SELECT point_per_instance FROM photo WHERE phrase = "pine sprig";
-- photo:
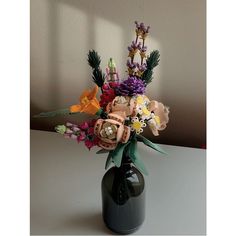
(94, 61)
(152, 61)
(147, 76)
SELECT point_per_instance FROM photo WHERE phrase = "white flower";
(137, 125)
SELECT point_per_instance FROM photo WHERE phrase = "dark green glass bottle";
(123, 198)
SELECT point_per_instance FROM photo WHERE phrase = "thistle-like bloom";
(131, 87)
(88, 102)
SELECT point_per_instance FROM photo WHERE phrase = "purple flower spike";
(142, 67)
(131, 87)
(143, 49)
(131, 65)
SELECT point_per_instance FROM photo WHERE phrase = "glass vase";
(123, 198)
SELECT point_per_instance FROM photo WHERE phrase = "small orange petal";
(84, 94)
(93, 92)
(75, 108)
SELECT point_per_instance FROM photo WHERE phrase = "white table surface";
(66, 189)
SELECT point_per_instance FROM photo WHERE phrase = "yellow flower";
(137, 125)
(88, 102)
(141, 106)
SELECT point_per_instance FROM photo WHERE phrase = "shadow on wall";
(179, 80)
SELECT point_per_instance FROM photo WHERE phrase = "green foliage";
(150, 144)
(147, 76)
(134, 155)
(101, 151)
(130, 149)
(54, 113)
(109, 160)
(94, 61)
(152, 61)
(117, 154)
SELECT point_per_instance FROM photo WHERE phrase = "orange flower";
(88, 102)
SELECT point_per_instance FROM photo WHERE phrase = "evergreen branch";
(98, 77)
(147, 76)
(94, 61)
(152, 61)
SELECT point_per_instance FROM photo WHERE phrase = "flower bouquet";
(122, 112)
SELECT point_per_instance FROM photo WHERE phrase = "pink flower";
(81, 136)
(88, 143)
(108, 93)
(84, 125)
(82, 132)
(90, 131)
(114, 84)
(73, 136)
(105, 86)
(91, 123)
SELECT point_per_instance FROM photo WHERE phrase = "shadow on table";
(90, 223)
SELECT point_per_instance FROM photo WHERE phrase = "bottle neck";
(125, 163)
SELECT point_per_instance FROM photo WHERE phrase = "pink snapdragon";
(83, 132)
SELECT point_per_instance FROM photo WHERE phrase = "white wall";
(62, 32)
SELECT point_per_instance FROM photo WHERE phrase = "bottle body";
(123, 199)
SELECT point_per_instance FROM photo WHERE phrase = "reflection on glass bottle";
(123, 196)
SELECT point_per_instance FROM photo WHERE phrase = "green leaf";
(54, 113)
(109, 160)
(117, 154)
(150, 144)
(134, 155)
(101, 151)
(140, 165)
